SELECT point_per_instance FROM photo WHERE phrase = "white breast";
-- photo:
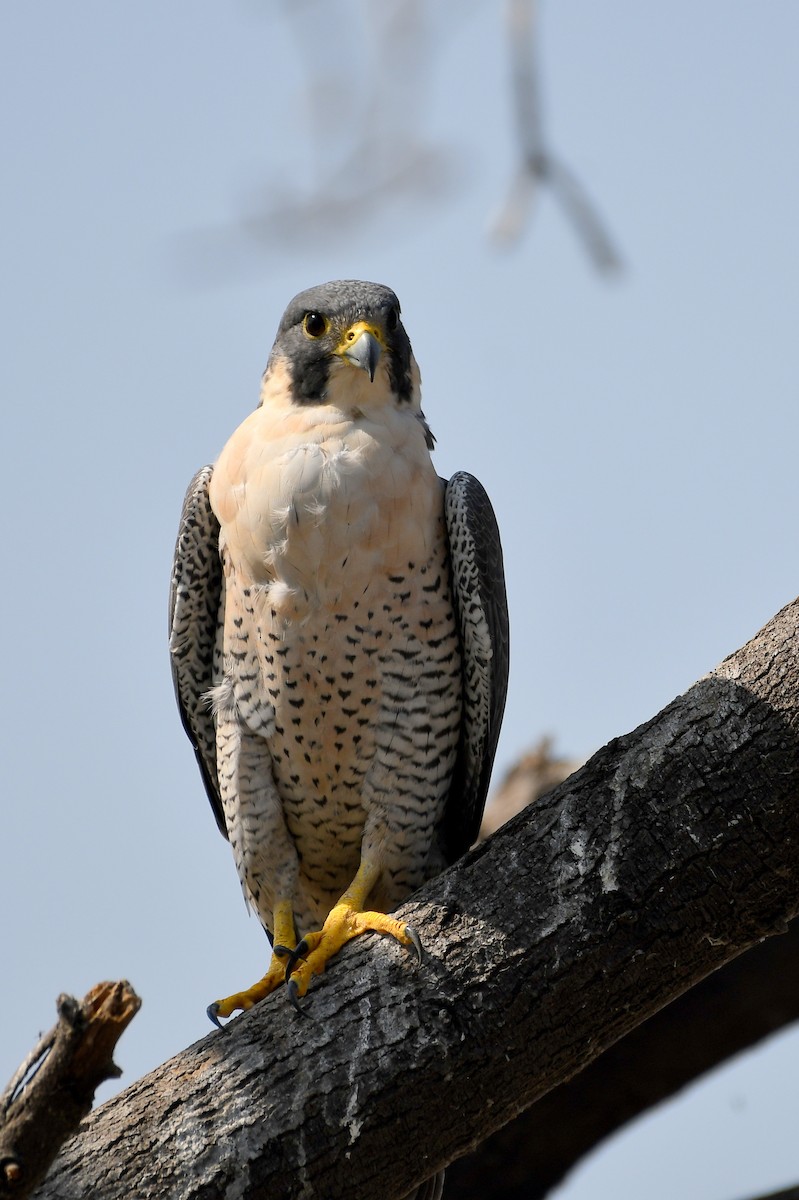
(315, 500)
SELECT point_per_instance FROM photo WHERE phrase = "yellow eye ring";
(315, 325)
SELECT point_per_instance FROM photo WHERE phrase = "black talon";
(299, 951)
(294, 997)
(416, 941)
(213, 1014)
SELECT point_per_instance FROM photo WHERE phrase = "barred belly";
(367, 702)
(341, 652)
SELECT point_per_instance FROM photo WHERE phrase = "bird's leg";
(345, 921)
(282, 949)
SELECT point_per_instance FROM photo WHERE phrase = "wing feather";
(482, 612)
(196, 597)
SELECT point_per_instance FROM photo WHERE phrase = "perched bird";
(338, 638)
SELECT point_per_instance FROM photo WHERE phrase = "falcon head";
(344, 341)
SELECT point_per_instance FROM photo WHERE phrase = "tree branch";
(671, 851)
(730, 1011)
(54, 1087)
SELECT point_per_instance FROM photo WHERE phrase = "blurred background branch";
(367, 151)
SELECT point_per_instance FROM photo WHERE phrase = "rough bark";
(733, 1009)
(671, 851)
(54, 1088)
(530, 778)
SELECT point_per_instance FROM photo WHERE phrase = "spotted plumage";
(338, 636)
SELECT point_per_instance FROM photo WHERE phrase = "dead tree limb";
(54, 1087)
(734, 1008)
(670, 852)
(538, 164)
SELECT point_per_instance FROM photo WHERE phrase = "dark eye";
(315, 324)
(392, 320)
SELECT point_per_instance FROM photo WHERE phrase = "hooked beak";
(362, 348)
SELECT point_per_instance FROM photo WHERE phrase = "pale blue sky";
(637, 436)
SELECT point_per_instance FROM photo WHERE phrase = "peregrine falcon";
(338, 638)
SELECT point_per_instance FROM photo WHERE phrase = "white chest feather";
(341, 655)
(314, 502)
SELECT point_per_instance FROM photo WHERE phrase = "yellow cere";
(355, 331)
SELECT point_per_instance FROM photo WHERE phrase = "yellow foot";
(343, 923)
(272, 980)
